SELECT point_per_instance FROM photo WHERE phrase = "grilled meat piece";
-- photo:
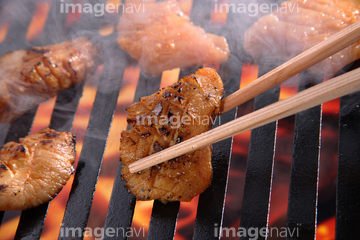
(172, 115)
(299, 25)
(30, 76)
(161, 37)
(34, 170)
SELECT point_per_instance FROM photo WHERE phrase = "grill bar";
(121, 206)
(200, 13)
(210, 212)
(81, 195)
(122, 203)
(348, 181)
(211, 202)
(31, 222)
(259, 171)
(164, 216)
(65, 108)
(303, 187)
(163, 220)
(21, 126)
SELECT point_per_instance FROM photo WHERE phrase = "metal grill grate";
(303, 192)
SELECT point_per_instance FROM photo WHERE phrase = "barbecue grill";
(302, 211)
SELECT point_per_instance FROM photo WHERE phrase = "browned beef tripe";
(170, 116)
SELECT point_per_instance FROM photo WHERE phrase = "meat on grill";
(30, 76)
(173, 114)
(161, 37)
(34, 170)
(300, 24)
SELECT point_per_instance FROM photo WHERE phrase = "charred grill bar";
(259, 171)
(303, 192)
(305, 166)
(348, 191)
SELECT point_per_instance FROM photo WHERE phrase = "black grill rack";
(303, 192)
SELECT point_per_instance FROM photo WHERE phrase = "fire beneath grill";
(187, 212)
(236, 182)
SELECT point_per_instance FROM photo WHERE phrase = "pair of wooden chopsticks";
(323, 92)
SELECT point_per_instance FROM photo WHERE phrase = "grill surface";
(303, 192)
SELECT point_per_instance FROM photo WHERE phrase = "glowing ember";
(326, 230)
(39, 19)
(3, 31)
(187, 214)
(73, 16)
(219, 15)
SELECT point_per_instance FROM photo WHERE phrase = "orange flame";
(38, 21)
(103, 191)
(73, 17)
(4, 27)
(219, 16)
(326, 230)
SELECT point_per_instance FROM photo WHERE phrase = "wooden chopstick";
(323, 92)
(292, 67)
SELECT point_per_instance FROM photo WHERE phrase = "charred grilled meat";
(161, 37)
(299, 25)
(172, 115)
(34, 170)
(30, 76)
